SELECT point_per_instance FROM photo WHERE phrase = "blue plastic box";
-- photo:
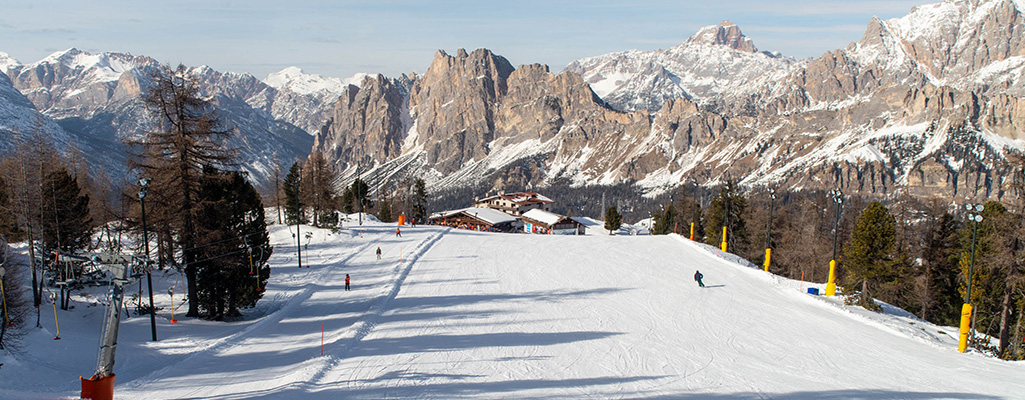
(814, 291)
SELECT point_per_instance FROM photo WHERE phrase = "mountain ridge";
(867, 118)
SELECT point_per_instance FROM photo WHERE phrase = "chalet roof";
(491, 216)
(521, 198)
(545, 217)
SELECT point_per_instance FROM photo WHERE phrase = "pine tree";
(419, 200)
(613, 220)
(12, 323)
(728, 207)
(360, 190)
(34, 158)
(187, 137)
(317, 187)
(869, 256)
(293, 200)
(664, 222)
(235, 246)
(941, 302)
(8, 225)
(689, 211)
(384, 214)
(997, 278)
(276, 177)
(800, 247)
(348, 201)
(67, 225)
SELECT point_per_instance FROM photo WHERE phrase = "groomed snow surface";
(460, 314)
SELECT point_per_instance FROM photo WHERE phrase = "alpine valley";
(930, 104)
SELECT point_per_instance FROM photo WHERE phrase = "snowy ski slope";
(460, 314)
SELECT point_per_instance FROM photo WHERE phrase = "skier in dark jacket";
(378, 253)
(697, 277)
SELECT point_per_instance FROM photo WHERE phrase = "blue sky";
(341, 38)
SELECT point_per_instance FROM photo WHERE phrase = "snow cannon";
(98, 388)
(124, 270)
(402, 220)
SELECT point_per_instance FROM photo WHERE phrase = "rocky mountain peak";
(7, 62)
(725, 34)
(470, 70)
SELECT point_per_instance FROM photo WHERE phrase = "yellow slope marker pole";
(53, 299)
(723, 245)
(966, 322)
(831, 283)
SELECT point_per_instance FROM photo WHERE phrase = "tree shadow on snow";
(408, 385)
(436, 343)
(851, 394)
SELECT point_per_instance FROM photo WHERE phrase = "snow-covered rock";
(716, 62)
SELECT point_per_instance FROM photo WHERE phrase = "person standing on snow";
(697, 277)
(346, 282)
(398, 232)
(379, 253)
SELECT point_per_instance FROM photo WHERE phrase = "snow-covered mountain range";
(716, 62)
(19, 118)
(95, 101)
(930, 102)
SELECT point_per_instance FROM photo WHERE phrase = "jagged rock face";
(725, 34)
(454, 106)
(564, 122)
(366, 124)
(838, 121)
(967, 44)
(96, 98)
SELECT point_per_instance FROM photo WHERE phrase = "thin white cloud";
(841, 8)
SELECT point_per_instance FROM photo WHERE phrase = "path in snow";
(453, 314)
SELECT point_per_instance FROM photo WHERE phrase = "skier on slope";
(346, 282)
(378, 252)
(697, 277)
(398, 232)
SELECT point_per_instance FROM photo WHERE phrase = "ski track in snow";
(458, 314)
(321, 274)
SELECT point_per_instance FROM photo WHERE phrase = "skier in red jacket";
(346, 282)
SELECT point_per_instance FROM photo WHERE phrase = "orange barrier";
(402, 220)
(98, 389)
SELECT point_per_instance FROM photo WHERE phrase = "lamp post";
(837, 196)
(726, 213)
(974, 214)
(143, 188)
(696, 209)
(768, 230)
